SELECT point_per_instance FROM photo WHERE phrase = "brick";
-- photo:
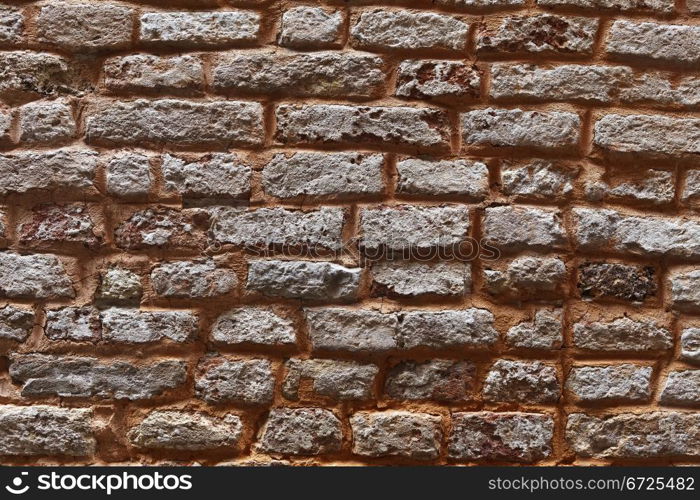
(73, 324)
(151, 73)
(323, 175)
(661, 6)
(661, 89)
(137, 327)
(11, 24)
(682, 388)
(539, 34)
(598, 280)
(652, 42)
(192, 279)
(310, 27)
(160, 227)
(25, 171)
(81, 377)
(175, 122)
(253, 325)
(407, 227)
(690, 345)
(215, 176)
(512, 229)
(691, 189)
(183, 430)
(438, 79)
(46, 430)
(222, 380)
(301, 431)
(351, 330)
(528, 382)
(329, 378)
(479, 4)
(623, 383)
(527, 278)
(634, 435)
(334, 124)
(447, 329)
(321, 74)
(70, 223)
(16, 323)
(651, 187)
(278, 227)
(622, 334)
(520, 437)
(499, 128)
(305, 280)
(545, 331)
(200, 29)
(464, 178)
(396, 433)
(600, 229)
(653, 135)
(85, 27)
(6, 128)
(378, 29)
(26, 75)
(128, 175)
(437, 380)
(34, 277)
(685, 290)
(415, 279)
(46, 122)
(537, 179)
(120, 286)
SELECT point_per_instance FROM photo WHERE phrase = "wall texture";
(448, 231)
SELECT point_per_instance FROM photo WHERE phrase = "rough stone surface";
(310, 27)
(682, 388)
(60, 224)
(45, 122)
(676, 44)
(522, 381)
(253, 325)
(396, 433)
(618, 281)
(516, 228)
(11, 24)
(690, 345)
(199, 29)
(621, 5)
(543, 332)
(181, 430)
(73, 323)
(301, 431)
(160, 226)
(447, 329)
(609, 383)
(336, 329)
(538, 179)
(16, 323)
(134, 326)
(414, 279)
(437, 380)
(245, 382)
(184, 279)
(336, 380)
(150, 73)
(438, 79)
(466, 179)
(128, 175)
(622, 334)
(119, 285)
(526, 278)
(33, 276)
(685, 291)
(26, 75)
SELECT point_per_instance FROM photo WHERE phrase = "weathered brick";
(634, 435)
(543, 332)
(119, 285)
(241, 381)
(521, 437)
(598, 280)
(73, 323)
(664, 6)
(685, 290)
(175, 122)
(46, 430)
(600, 229)
(253, 325)
(653, 135)
(447, 329)
(301, 431)
(134, 326)
(77, 376)
(33, 276)
(438, 380)
(351, 330)
(541, 34)
(163, 227)
(46, 122)
(184, 430)
(467, 179)
(661, 89)
(82, 27)
(192, 279)
(306, 280)
(691, 189)
(690, 345)
(278, 227)
(682, 388)
(514, 228)
(308, 27)
(151, 73)
(335, 124)
(6, 128)
(200, 29)
(323, 175)
(538, 179)
(378, 29)
(16, 323)
(336, 380)
(609, 383)
(479, 4)
(396, 433)
(28, 75)
(527, 278)
(216, 176)
(128, 175)
(528, 382)
(408, 227)
(413, 279)
(622, 334)
(669, 43)
(24, 171)
(60, 224)
(651, 187)
(322, 74)
(438, 79)
(11, 24)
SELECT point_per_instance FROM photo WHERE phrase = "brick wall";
(237, 232)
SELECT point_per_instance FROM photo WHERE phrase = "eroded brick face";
(430, 233)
